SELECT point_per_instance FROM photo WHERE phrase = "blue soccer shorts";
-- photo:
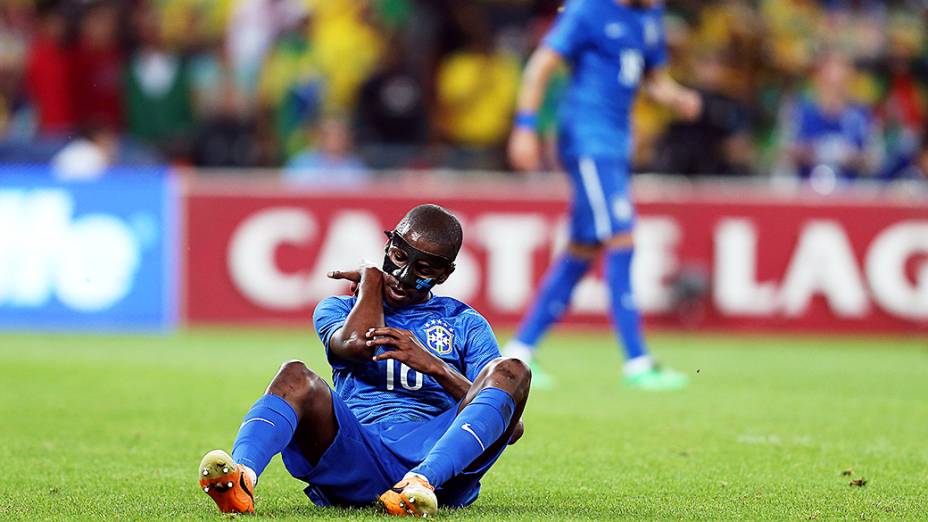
(365, 460)
(601, 206)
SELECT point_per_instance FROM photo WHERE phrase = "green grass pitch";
(114, 427)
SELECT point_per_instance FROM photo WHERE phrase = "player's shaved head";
(432, 229)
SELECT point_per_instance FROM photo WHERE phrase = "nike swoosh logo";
(466, 427)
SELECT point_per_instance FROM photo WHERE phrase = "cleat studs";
(412, 500)
(229, 485)
(205, 472)
(205, 489)
(225, 470)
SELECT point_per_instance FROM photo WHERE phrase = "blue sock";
(476, 428)
(552, 301)
(625, 315)
(266, 430)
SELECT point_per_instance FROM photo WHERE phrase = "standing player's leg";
(484, 425)
(552, 300)
(625, 316)
(295, 395)
(586, 235)
(639, 369)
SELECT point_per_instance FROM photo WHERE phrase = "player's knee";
(515, 371)
(584, 251)
(297, 384)
(621, 241)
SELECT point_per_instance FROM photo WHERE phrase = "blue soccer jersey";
(609, 47)
(389, 390)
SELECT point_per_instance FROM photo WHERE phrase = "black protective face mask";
(406, 274)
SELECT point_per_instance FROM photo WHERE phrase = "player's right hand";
(357, 277)
(524, 150)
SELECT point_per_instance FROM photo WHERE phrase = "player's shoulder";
(458, 311)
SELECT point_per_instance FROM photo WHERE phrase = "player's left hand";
(406, 349)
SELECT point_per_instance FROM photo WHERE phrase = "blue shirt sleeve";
(480, 344)
(329, 316)
(567, 35)
(655, 40)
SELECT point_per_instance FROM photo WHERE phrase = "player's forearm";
(538, 71)
(350, 342)
(453, 382)
(662, 88)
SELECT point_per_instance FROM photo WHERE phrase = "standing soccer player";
(422, 407)
(611, 47)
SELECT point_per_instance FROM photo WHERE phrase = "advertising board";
(703, 260)
(90, 255)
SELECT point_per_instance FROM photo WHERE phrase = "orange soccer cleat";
(227, 483)
(412, 496)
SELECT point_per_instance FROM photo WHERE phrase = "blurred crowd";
(824, 90)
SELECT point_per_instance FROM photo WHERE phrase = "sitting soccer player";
(422, 407)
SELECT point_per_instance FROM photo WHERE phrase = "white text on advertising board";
(88, 263)
(822, 264)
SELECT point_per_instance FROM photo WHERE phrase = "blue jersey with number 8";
(390, 390)
(609, 48)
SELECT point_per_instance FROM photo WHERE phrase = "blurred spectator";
(228, 137)
(291, 87)
(904, 107)
(477, 87)
(793, 26)
(157, 87)
(48, 71)
(210, 79)
(717, 142)
(98, 67)
(832, 135)
(236, 83)
(252, 30)
(855, 26)
(192, 23)
(331, 162)
(14, 44)
(348, 47)
(392, 115)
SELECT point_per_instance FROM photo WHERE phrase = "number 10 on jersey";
(403, 377)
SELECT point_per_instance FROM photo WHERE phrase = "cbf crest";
(439, 336)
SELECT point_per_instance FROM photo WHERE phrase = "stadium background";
(193, 167)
